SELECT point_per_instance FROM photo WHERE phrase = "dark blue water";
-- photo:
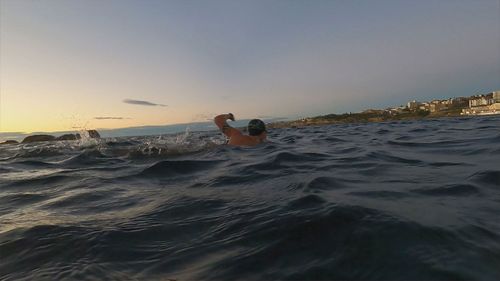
(387, 201)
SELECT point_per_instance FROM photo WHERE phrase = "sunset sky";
(109, 64)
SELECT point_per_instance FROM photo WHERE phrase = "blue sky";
(64, 63)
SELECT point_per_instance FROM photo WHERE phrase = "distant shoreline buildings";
(481, 104)
(484, 105)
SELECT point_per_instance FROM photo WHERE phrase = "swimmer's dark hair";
(256, 127)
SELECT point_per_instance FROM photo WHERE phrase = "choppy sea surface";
(412, 200)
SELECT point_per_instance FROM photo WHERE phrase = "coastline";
(364, 117)
(367, 116)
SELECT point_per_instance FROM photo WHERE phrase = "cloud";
(109, 118)
(142, 102)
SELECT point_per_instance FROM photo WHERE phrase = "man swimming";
(256, 130)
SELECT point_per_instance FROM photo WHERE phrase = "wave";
(327, 183)
(178, 167)
(49, 181)
(384, 194)
(450, 190)
(329, 240)
(307, 201)
(386, 156)
(10, 202)
(491, 177)
(418, 130)
(88, 157)
(426, 144)
(32, 163)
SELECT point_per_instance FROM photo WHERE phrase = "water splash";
(123, 147)
(186, 142)
(86, 141)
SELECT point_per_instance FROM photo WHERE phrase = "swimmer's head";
(256, 127)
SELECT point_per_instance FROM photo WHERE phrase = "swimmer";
(256, 131)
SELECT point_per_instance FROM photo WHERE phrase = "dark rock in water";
(36, 138)
(69, 137)
(9, 142)
(93, 134)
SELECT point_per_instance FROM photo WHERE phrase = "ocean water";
(412, 200)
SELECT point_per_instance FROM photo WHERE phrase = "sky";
(67, 64)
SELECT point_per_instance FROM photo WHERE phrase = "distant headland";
(481, 104)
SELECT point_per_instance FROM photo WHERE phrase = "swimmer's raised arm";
(221, 122)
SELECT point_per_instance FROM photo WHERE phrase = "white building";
(496, 96)
(480, 101)
(412, 105)
(424, 106)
